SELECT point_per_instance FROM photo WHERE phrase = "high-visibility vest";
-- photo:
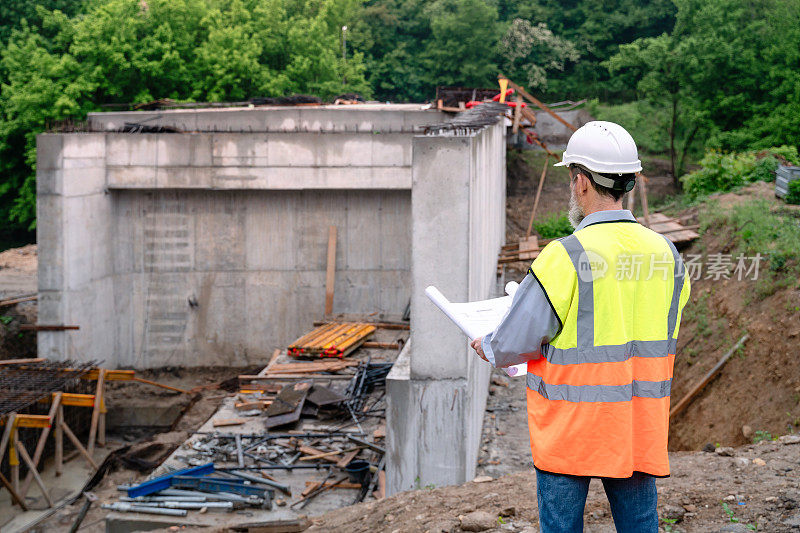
(598, 398)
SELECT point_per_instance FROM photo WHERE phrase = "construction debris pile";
(296, 430)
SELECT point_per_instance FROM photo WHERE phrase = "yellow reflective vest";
(598, 398)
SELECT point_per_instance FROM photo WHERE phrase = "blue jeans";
(562, 499)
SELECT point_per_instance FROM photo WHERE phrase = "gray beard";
(576, 215)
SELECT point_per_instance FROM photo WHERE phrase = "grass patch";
(758, 230)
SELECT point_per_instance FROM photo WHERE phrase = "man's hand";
(477, 345)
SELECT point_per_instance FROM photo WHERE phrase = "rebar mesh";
(24, 384)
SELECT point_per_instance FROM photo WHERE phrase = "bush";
(555, 226)
(793, 194)
(722, 172)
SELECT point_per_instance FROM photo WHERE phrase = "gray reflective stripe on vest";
(580, 261)
(613, 353)
(679, 273)
(586, 351)
(600, 393)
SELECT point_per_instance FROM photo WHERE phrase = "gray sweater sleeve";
(529, 323)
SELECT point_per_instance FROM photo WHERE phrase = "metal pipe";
(223, 496)
(263, 481)
(189, 505)
(124, 507)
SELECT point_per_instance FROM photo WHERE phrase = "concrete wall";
(209, 248)
(437, 389)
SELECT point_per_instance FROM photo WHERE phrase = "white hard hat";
(603, 147)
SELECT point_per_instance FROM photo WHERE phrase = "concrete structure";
(437, 388)
(208, 247)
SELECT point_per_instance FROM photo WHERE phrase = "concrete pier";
(208, 245)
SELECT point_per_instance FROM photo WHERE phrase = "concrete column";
(75, 256)
(437, 389)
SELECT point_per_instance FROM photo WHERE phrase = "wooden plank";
(379, 325)
(381, 345)
(30, 421)
(330, 275)
(222, 422)
(697, 389)
(21, 361)
(18, 300)
(308, 450)
(344, 461)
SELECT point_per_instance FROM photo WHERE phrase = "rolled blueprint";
(476, 319)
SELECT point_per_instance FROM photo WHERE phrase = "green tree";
(460, 51)
(660, 66)
(15, 13)
(123, 51)
(532, 53)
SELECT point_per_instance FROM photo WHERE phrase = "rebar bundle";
(480, 116)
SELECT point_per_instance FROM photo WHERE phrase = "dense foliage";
(726, 171)
(683, 75)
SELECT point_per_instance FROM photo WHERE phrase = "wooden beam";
(538, 195)
(539, 104)
(22, 361)
(643, 196)
(156, 384)
(7, 434)
(14, 495)
(697, 389)
(59, 438)
(77, 443)
(18, 299)
(32, 470)
(98, 398)
(37, 452)
(330, 274)
(517, 114)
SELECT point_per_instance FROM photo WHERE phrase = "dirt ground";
(766, 495)
(758, 390)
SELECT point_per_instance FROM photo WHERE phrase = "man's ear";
(582, 184)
